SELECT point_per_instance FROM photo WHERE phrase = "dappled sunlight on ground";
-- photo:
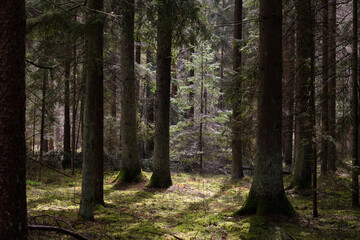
(195, 207)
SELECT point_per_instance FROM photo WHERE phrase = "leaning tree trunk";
(267, 195)
(13, 219)
(236, 144)
(43, 110)
(161, 175)
(130, 169)
(94, 74)
(303, 145)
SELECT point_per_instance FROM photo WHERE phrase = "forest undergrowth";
(195, 207)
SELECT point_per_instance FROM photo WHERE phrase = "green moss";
(265, 205)
(126, 176)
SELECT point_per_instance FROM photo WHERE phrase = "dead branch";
(56, 229)
(52, 168)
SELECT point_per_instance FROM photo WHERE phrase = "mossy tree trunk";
(130, 170)
(267, 195)
(13, 215)
(94, 74)
(161, 175)
(303, 144)
(236, 144)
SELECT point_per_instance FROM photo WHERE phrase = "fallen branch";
(52, 168)
(252, 169)
(56, 229)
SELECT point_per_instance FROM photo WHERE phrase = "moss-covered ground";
(195, 207)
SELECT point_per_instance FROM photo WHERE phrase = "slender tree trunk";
(190, 84)
(161, 175)
(332, 87)
(354, 108)
(13, 215)
(201, 142)
(303, 145)
(74, 112)
(325, 86)
(149, 148)
(130, 170)
(267, 195)
(289, 86)
(94, 78)
(221, 104)
(67, 136)
(313, 121)
(236, 144)
(43, 110)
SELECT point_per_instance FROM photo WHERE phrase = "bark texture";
(130, 170)
(13, 216)
(267, 195)
(94, 74)
(303, 145)
(161, 174)
(289, 85)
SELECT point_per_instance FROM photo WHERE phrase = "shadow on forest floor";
(195, 207)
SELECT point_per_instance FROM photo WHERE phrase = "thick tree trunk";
(354, 108)
(325, 86)
(161, 175)
(332, 87)
(94, 78)
(303, 145)
(130, 170)
(236, 143)
(267, 195)
(13, 219)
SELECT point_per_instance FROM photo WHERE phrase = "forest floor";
(195, 207)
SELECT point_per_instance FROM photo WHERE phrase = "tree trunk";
(130, 170)
(67, 136)
(354, 108)
(236, 144)
(13, 219)
(74, 112)
(94, 75)
(161, 174)
(303, 145)
(325, 87)
(43, 110)
(289, 87)
(149, 148)
(267, 195)
(332, 87)
(190, 84)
